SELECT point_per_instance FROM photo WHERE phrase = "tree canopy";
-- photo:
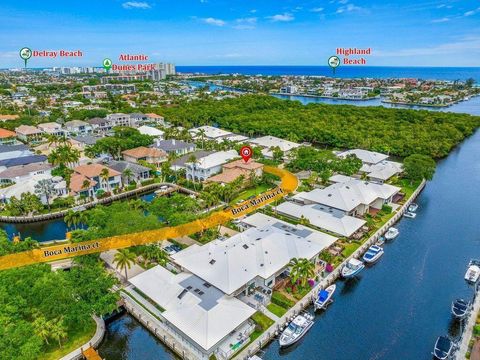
(399, 132)
(419, 167)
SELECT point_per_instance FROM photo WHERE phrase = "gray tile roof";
(185, 158)
(120, 166)
(23, 160)
(171, 145)
(8, 148)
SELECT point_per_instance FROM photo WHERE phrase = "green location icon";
(334, 62)
(107, 64)
(25, 54)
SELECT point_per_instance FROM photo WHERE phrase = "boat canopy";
(323, 295)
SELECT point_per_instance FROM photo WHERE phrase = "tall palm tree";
(58, 331)
(301, 270)
(127, 174)
(201, 133)
(72, 218)
(124, 259)
(41, 328)
(105, 175)
(86, 185)
(193, 160)
(45, 188)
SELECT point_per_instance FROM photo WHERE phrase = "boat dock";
(271, 333)
(468, 329)
(91, 354)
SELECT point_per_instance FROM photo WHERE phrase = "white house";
(213, 133)
(78, 127)
(367, 157)
(209, 165)
(382, 171)
(270, 142)
(198, 314)
(151, 131)
(51, 128)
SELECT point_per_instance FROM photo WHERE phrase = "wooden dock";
(91, 354)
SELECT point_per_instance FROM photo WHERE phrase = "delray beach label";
(71, 249)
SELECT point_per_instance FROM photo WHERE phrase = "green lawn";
(75, 340)
(281, 300)
(276, 309)
(262, 320)
(244, 195)
(350, 249)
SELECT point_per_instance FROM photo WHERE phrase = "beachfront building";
(201, 169)
(233, 170)
(268, 143)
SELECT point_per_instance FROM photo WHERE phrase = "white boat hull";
(291, 341)
(323, 304)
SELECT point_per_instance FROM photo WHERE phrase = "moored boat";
(352, 268)
(473, 272)
(460, 308)
(413, 207)
(443, 348)
(409, 214)
(373, 254)
(296, 329)
(392, 233)
(324, 297)
(380, 241)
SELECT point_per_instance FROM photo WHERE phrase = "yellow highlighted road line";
(56, 252)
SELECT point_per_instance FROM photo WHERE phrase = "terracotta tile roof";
(152, 115)
(229, 175)
(241, 164)
(142, 152)
(76, 183)
(92, 170)
(4, 133)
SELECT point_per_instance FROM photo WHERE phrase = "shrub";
(280, 300)
(387, 209)
(147, 182)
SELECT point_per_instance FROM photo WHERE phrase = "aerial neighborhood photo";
(247, 180)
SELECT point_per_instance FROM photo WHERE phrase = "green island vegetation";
(45, 315)
(401, 132)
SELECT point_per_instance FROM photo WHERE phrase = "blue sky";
(243, 32)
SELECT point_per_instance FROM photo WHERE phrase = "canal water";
(397, 308)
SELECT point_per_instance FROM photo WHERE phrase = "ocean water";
(382, 72)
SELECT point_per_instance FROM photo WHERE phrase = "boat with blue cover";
(373, 254)
(324, 297)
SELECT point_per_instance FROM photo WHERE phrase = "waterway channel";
(397, 308)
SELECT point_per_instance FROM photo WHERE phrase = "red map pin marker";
(246, 153)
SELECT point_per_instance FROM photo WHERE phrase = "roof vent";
(245, 246)
(212, 261)
(329, 195)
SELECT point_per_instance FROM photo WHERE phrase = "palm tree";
(41, 328)
(45, 188)
(72, 218)
(58, 331)
(301, 270)
(124, 259)
(86, 185)
(193, 160)
(201, 133)
(127, 174)
(105, 175)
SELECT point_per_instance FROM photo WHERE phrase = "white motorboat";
(413, 207)
(352, 268)
(460, 308)
(296, 329)
(392, 233)
(373, 254)
(473, 271)
(324, 297)
(443, 348)
(380, 241)
(409, 214)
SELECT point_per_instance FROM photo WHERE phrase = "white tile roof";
(232, 263)
(348, 195)
(149, 130)
(260, 220)
(206, 318)
(383, 170)
(341, 224)
(272, 141)
(368, 157)
(216, 159)
(210, 132)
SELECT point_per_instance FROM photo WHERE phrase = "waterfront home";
(367, 157)
(139, 173)
(179, 163)
(137, 119)
(100, 125)
(28, 186)
(233, 170)
(260, 220)
(29, 133)
(201, 169)
(353, 197)
(268, 143)
(7, 137)
(156, 119)
(150, 155)
(216, 134)
(174, 146)
(257, 257)
(21, 173)
(14, 151)
(51, 128)
(322, 217)
(207, 321)
(151, 131)
(78, 127)
(92, 172)
(382, 171)
(82, 141)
